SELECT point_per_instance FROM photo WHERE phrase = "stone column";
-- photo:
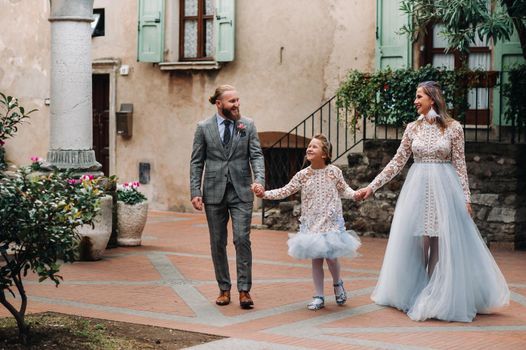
(71, 126)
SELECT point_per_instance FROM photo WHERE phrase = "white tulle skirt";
(466, 279)
(314, 245)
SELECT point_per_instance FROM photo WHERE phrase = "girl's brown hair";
(220, 90)
(326, 148)
(434, 91)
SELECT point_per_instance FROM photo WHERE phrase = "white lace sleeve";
(344, 190)
(458, 158)
(289, 189)
(397, 163)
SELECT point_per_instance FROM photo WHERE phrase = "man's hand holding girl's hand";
(258, 189)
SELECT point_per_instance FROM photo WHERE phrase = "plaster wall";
(24, 72)
(290, 57)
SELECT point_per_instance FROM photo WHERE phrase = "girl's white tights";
(318, 276)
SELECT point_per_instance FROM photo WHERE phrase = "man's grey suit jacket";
(244, 158)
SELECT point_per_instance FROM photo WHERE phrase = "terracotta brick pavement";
(169, 282)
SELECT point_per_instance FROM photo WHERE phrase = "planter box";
(93, 241)
(130, 223)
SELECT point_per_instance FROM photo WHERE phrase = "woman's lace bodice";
(321, 190)
(428, 143)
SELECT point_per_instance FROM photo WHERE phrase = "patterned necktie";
(226, 135)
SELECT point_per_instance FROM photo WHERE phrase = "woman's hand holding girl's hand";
(358, 195)
(368, 192)
(363, 193)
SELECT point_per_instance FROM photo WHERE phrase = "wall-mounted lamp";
(125, 120)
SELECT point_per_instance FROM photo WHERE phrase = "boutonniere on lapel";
(241, 129)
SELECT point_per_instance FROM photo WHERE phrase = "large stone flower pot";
(93, 241)
(130, 223)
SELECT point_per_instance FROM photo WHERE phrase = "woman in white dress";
(436, 264)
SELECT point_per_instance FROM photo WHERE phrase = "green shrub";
(386, 96)
(11, 115)
(38, 220)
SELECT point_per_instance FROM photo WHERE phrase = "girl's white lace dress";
(432, 202)
(322, 231)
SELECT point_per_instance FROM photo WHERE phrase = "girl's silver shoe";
(318, 302)
(341, 297)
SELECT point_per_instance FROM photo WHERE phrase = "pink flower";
(87, 177)
(36, 159)
(241, 127)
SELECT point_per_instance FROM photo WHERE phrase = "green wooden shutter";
(225, 29)
(506, 54)
(392, 49)
(151, 30)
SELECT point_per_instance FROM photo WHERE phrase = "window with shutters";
(196, 30)
(392, 49)
(186, 34)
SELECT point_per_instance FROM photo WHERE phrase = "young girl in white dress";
(436, 264)
(322, 233)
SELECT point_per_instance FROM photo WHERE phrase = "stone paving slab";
(242, 344)
(169, 282)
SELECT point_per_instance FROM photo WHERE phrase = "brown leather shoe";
(223, 298)
(245, 301)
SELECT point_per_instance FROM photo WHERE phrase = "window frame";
(430, 50)
(201, 31)
(474, 116)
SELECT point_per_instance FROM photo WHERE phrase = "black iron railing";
(285, 156)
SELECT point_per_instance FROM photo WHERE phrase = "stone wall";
(497, 178)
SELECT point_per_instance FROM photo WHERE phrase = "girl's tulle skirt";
(307, 245)
(466, 279)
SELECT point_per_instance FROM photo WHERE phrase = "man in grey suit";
(226, 147)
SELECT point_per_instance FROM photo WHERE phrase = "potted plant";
(132, 210)
(94, 238)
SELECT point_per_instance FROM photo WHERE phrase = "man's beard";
(229, 115)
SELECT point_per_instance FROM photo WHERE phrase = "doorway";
(101, 120)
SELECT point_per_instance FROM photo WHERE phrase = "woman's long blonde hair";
(434, 91)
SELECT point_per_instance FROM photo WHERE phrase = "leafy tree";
(465, 20)
(38, 220)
